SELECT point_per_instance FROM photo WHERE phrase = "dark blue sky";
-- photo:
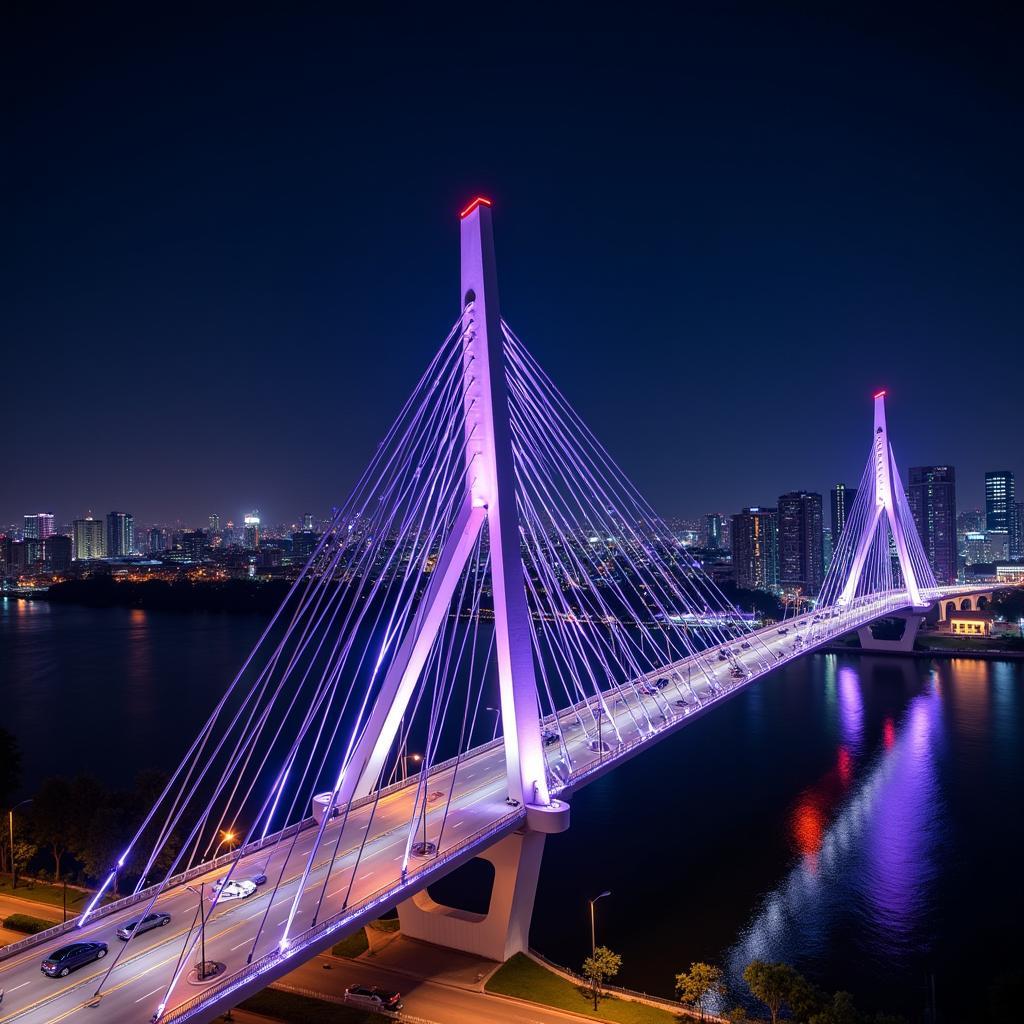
(232, 244)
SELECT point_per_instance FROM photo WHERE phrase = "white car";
(233, 890)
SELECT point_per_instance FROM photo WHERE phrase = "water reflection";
(869, 841)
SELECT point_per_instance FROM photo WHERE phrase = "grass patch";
(352, 945)
(53, 895)
(296, 1009)
(385, 924)
(526, 979)
(25, 923)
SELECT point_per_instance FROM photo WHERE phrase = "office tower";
(801, 550)
(827, 547)
(1019, 553)
(932, 498)
(307, 521)
(88, 539)
(713, 530)
(252, 531)
(57, 552)
(755, 552)
(304, 543)
(1001, 507)
(38, 526)
(843, 498)
(215, 523)
(193, 543)
(156, 540)
(120, 534)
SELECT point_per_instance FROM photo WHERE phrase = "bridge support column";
(904, 644)
(505, 929)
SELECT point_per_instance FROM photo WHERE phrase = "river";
(856, 816)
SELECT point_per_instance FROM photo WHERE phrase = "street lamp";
(10, 822)
(593, 939)
(497, 716)
(228, 837)
(406, 758)
(201, 893)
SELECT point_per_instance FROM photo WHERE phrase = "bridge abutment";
(504, 929)
(902, 645)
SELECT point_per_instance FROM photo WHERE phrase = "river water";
(858, 817)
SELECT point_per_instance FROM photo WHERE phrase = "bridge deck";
(372, 880)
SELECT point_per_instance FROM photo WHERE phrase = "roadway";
(374, 844)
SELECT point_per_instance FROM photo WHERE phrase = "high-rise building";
(215, 523)
(193, 543)
(304, 543)
(307, 521)
(801, 549)
(38, 525)
(88, 539)
(157, 540)
(252, 531)
(843, 498)
(827, 547)
(1001, 507)
(713, 530)
(1019, 553)
(755, 548)
(120, 534)
(57, 552)
(932, 497)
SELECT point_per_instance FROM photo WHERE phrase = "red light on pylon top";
(479, 201)
(880, 394)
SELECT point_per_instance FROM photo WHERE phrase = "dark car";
(136, 927)
(661, 683)
(63, 961)
(373, 998)
(549, 736)
(260, 879)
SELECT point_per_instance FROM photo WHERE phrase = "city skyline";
(256, 275)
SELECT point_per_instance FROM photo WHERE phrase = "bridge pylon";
(880, 530)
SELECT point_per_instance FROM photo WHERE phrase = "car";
(783, 632)
(682, 703)
(155, 920)
(648, 689)
(661, 683)
(236, 889)
(511, 801)
(722, 656)
(549, 736)
(745, 646)
(260, 879)
(738, 673)
(61, 962)
(373, 998)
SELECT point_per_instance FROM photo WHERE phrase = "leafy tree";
(839, 1011)
(737, 1015)
(108, 831)
(804, 999)
(698, 983)
(773, 984)
(25, 848)
(602, 965)
(51, 824)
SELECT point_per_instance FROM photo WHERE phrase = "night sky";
(231, 244)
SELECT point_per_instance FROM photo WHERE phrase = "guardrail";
(378, 898)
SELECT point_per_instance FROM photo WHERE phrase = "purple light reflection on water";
(878, 854)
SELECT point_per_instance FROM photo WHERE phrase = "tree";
(602, 965)
(698, 983)
(773, 984)
(51, 824)
(839, 1011)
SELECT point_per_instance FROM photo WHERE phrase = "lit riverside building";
(1001, 507)
(843, 498)
(801, 547)
(88, 539)
(932, 497)
(38, 526)
(755, 548)
(120, 534)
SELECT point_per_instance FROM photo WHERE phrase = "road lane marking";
(244, 942)
(159, 988)
(22, 985)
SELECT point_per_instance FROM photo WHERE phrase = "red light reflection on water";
(889, 733)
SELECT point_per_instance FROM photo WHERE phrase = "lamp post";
(593, 937)
(10, 822)
(228, 837)
(497, 718)
(65, 881)
(201, 893)
(406, 758)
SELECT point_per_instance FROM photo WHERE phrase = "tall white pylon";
(886, 491)
(490, 499)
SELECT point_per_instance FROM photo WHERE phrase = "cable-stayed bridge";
(494, 618)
